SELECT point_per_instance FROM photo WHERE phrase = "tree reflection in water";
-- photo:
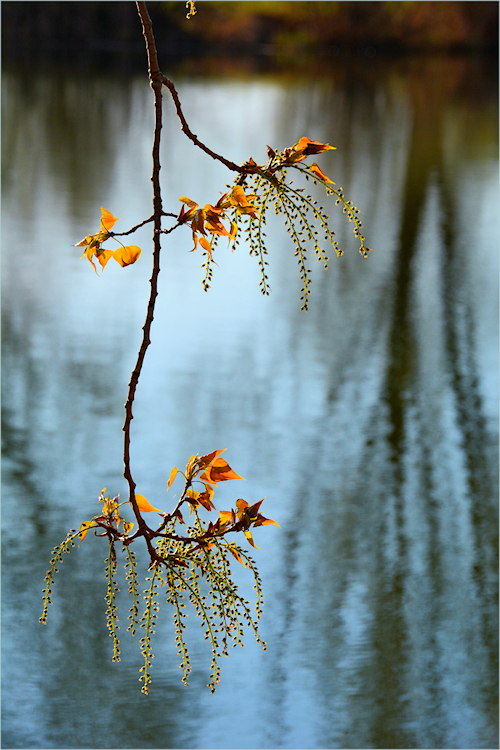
(370, 423)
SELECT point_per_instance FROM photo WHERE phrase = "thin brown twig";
(134, 229)
(185, 129)
(156, 85)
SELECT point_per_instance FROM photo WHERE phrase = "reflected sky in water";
(370, 423)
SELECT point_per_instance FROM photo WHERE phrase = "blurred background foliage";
(289, 29)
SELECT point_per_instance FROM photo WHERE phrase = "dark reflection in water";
(370, 423)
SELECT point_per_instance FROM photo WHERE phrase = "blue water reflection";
(370, 424)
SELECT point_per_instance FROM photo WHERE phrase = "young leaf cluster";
(190, 567)
(269, 187)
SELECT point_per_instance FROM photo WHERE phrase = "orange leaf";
(213, 221)
(249, 537)
(234, 551)
(319, 173)
(90, 252)
(252, 515)
(219, 471)
(143, 504)
(128, 526)
(223, 201)
(104, 255)
(249, 210)
(125, 256)
(107, 220)
(86, 240)
(192, 498)
(241, 505)
(309, 147)
(86, 525)
(209, 457)
(238, 199)
(227, 516)
(233, 232)
(209, 490)
(205, 498)
(188, 201)
(206, 245)
(237, 196)
(266, 522)
(171, 478)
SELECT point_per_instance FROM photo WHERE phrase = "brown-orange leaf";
(251, 514)
(319, 173)
(205, 498)
(192, 497)
(249, 537)
(178, 515)
(309, 147)
(234, 551)
(209, 457)
(219, 471)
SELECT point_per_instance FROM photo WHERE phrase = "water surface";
(370, 423)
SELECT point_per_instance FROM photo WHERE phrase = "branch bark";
(155, 79)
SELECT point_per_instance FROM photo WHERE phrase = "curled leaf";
(125, 256)
(308, 147)
(205, 498)
(319, 173)
(188, 201)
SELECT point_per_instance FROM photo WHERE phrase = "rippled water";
(370, 423)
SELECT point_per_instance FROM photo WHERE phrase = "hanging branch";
(178, 561)
(155, 79)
